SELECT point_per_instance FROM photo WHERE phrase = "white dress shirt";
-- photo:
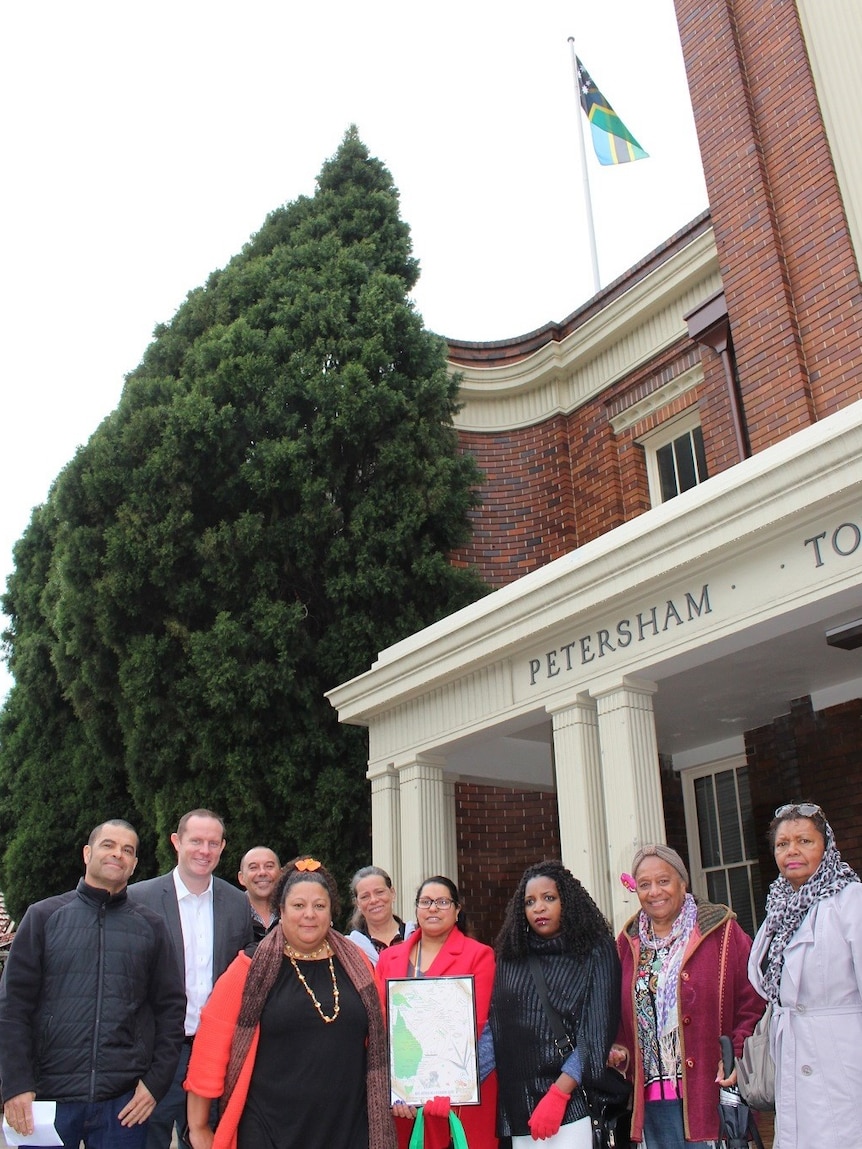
(196, 919)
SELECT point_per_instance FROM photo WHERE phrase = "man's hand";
(139, 1108)
(18, 1111)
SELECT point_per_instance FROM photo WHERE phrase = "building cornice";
(561, 375)
(734, 509)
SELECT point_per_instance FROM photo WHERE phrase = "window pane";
(745, 814)
(685, 472)
(727, 837)
(740, 898)
(716, 883)
(731, 839)
(707, 823)
(666, 472)
(699, 454)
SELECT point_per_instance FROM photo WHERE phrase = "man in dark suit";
(209, 922)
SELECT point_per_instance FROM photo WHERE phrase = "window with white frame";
(675, 457)
(722, 838)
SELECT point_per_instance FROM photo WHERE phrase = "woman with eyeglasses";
(807, 960)
(439, 948)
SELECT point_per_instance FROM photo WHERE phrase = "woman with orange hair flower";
(292, 1040)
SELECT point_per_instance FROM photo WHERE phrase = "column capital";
(629, 684)
(559, 709)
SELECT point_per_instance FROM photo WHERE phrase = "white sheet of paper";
(44, 1133)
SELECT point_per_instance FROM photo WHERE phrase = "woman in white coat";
(807, 960)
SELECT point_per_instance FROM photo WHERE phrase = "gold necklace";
(310, 991)
(290, 952)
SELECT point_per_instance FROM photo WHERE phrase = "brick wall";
(500, 832)
(809, 755)
(527, 516)
(793, 303)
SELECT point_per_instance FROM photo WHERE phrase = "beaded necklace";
(335, 994)
(289, 951)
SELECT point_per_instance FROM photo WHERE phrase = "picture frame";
(433, 1050)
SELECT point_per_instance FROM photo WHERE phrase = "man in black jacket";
(91, 1005)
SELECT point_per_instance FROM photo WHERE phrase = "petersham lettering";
(645, 625)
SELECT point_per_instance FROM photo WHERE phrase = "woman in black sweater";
(552, 919)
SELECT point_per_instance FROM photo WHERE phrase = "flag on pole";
(612, 140)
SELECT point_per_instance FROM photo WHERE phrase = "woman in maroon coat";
(438, 948)
(685, 982)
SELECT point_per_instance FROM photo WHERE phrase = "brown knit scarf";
(262, 973)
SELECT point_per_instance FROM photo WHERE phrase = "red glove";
(438, 1107)
(548, 1115)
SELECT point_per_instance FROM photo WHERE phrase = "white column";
(427, 824)
(386, 821)
(580, 800)
(634, 812)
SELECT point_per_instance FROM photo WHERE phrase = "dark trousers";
(171, 1110)
(663, 1127)
(95, 1124)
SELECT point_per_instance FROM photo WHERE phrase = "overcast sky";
(143, 143)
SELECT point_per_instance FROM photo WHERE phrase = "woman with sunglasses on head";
(439, 948)
(807, 960)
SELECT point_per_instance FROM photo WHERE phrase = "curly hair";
(582, 922)
(290, 875)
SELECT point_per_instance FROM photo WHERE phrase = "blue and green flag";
(612, 140)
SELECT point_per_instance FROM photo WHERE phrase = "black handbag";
(607, 1097)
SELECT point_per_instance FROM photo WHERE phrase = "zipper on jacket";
(100, 976)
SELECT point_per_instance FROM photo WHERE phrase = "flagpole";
(588, 202)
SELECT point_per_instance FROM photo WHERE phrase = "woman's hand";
(402, 1109)
(547, 1117)
(438, 1107)
(200, 1137)
(618, 1057)
(721, 1080)
(198, 1132)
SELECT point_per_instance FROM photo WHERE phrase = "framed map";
(432, 1039)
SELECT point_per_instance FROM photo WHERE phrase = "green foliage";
(271, 503)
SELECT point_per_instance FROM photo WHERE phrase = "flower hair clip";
(307, 864)
(629, 882)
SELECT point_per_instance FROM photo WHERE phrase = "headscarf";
(786, 908)
(666, 854)
(262, 973)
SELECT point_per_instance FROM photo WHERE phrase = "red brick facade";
(500, 832)
(794, 303)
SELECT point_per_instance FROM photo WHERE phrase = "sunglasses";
(806, 809)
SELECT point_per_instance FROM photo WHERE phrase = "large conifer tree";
(271, 503)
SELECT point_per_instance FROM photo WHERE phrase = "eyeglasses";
(806, 809)
(440, 903)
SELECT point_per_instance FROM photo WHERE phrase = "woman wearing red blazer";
(438, 948)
